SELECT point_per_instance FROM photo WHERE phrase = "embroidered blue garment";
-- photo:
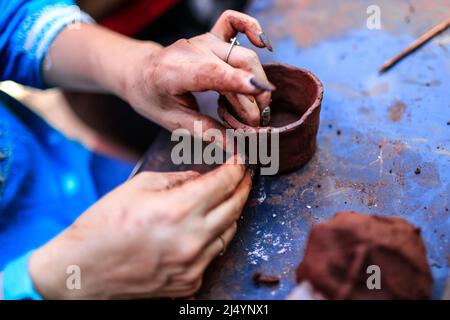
(46, 180)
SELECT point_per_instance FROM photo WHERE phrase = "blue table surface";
(389, 125)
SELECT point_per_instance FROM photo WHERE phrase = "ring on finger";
(234, 42)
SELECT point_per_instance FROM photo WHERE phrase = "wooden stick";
(416, 44)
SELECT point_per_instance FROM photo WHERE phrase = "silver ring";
(234, 42)
(224, 246)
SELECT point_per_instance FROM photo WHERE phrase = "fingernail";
(251, 99)
(261, 86)
(265, 40)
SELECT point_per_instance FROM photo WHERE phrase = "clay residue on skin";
(396, 111)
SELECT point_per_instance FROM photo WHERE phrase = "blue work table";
(376, 130)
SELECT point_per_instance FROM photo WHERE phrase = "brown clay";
(260, 278)
(340, 250)
(295, 113)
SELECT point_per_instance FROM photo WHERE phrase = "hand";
(160, 83)
(151, 237)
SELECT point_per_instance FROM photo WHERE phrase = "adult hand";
(151, 237)
(160, 83)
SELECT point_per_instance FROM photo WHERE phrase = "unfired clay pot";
(295, 109)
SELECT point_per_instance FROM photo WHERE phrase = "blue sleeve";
(16, 281)
(27, 29)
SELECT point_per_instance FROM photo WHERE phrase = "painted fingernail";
(265, 40)
(265, 116)
(262, 86)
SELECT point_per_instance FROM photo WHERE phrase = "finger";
(173, 179)
(231, 22)
(186, 280)
(181, 291)
(245, 108)
(201, 70)
(186, 121)
(209, 190)
(264, 99)
(156, 181)
(230, 210)
(245, 59)
(217, 246)
(195, 124)
(219, 76)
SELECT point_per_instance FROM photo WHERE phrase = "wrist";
(99, 58)
(48, 269)
(42, 275)
(137, 63)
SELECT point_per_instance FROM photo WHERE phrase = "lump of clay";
(340, 251)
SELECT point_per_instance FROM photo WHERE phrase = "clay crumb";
(396, 111)
(331, 126)
(338, 132)
(260, 278)
(448, 123)
(417, 171)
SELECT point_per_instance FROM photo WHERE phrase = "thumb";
(245, 107)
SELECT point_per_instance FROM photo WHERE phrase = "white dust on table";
(266, 245)
(261, 194)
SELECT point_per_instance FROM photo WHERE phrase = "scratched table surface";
(376, 130)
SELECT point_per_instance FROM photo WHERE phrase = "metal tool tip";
(265, 116)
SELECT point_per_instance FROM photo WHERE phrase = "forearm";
(93, 58)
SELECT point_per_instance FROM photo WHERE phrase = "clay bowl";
(295, 112)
